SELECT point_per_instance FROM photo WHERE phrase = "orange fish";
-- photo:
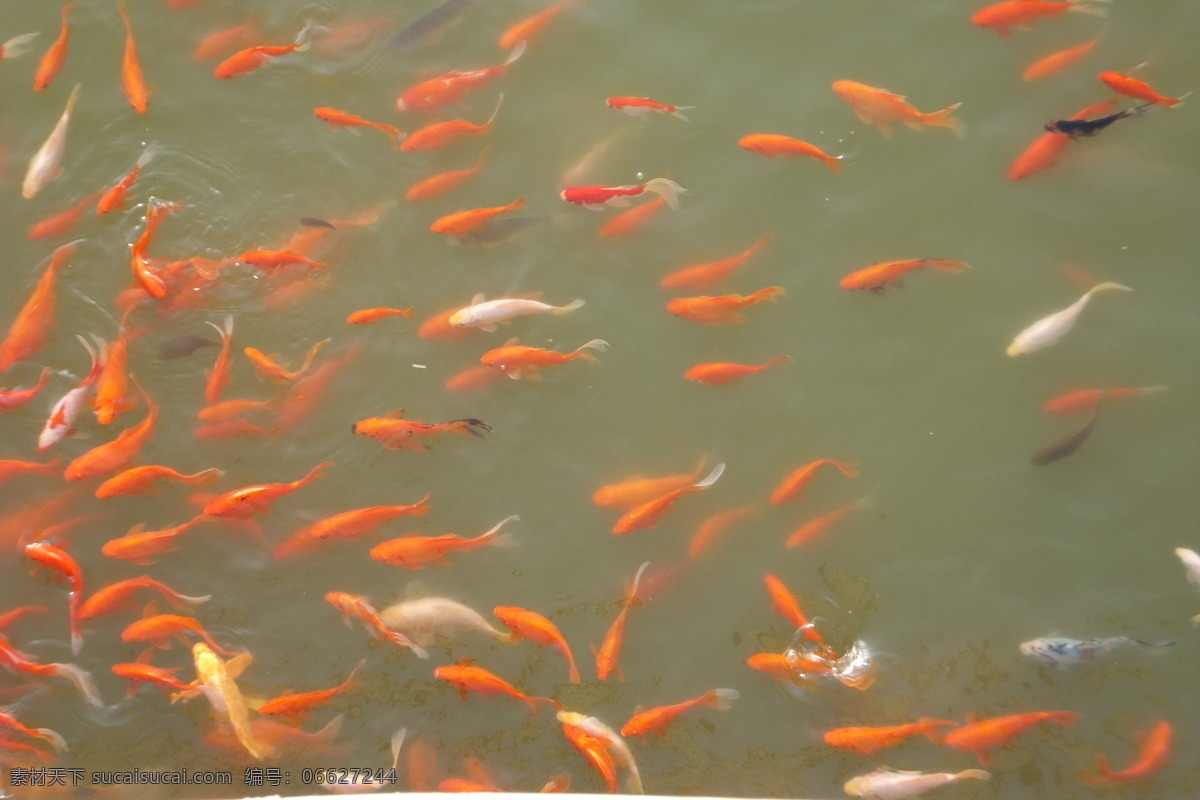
(634, 219)
(352, 524)
(880, 108)
(230, 409)
(794, 482)
(811, 530)
(640, 106)
(773, 144)
(1085, 400)
(452, 86)
(1156, 750)
(654, 720)
(368, 316)
(52, 62)
(60, 223)
(1058, 61)
(342, 119)
(28, 331)
(114, 198)
(132, 81)
(1044, 151)
(140, 264)
(781, 667)
(462, 223)
(713, 527)
(517, 360)
(269, 259)
(118, 596)
(438, 185)
(708, 275)
(440, 134)
(111, 456)
(530, 27)
(592, 748)
(269, 368)
(979, 736)
(647, 515)
(720, 310)
(137, 673)
(354, 606)
(231, 429)
(112, 387)
(11, 399)
(526, 624)
(227, 40)
(610, 649)
(139, 545)
(160, 629)
(218, 377)
(785, 604)
(250, 500)
(145, 480)
(878, 277)
(11, 468)
(1004, 16)
(295, 708)
(252, 58)
(59, 560)
(466, 678)
(867, 740)
(414, 552)
(306, 394)
(719, 373)
(636, 491)
(396, 433)
(66, 409)
(473, 378)
(1138, 90)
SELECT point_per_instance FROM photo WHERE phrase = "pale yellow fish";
(486, 315)
(1048, 330)
(227, 701)
(890, 784)
(46, 164)
(423, 618)
(1191, 562)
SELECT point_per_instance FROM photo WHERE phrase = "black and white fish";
(1061, 652)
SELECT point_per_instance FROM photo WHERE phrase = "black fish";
(499, 230)
(1077, 128)
(181, 346)
(317, 222)
(1064, 446)
(429, 24)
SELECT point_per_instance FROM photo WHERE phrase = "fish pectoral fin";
(491, 327)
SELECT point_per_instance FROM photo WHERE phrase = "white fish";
(1062, 652)
(599, 728)
(486, 315)
(17, 46)
(46, 164)
(64, 412)
(890, 784)
(1048, 330)
(426, 617)
(1191, 562)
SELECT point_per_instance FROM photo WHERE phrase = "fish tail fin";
(1089, 7)
(470, 425)
(1066, 717)
(977, 774)
(599, 345)
(1107, 285)
(665, 188)
(770, 362)
(834, 162)
(767, 293)
(712, 478)
(516, 53)
(722, 699)
(515, 204)
(301, 42)
(206, 476)
(82, 680)
(571, 306)
(499, 102)
(849, 469)
(17, 46)
(947, 265)
(944, 120)
(495, 537)
(1148, 646)
(678, 112)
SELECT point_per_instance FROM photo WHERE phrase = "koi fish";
(145, 480)
(594, 752)
(642, 106)
(427, 617)
(228, 40)
(396, 433)
(867, 740)
(610, 648)
(467, 678)
(252, 58)
(295, 708)
(354, 606)
(713, 527)
(66, 409)
(114, 198)
(722, 309)
(59, 560)
(811, 530)
(1050, 329)
(1067, 444)
(46, 164)
(17, 46)
(269, 259)
(226, 698)
(119, 596)
(148, 279)
(880, 108)
(654, 720)
(161, 628)
(647, 514)
(132, 80)
(1084, 400)
(111, 456)
(12, 399)
(612, 741)
(414, 552)
(112, 387)
(517, 360)
(785, 605)
(269, 368)
(1076, 129)
(1155, 752)
(452, 86)
(635, 491)
(218, 377)
(11, 468)
(773, 144)
(1062, 653)
(352, 524)
(250, 500)
(54, 58)
(531, 27)
(793, 483)
(369, 316)
(462, 223)
(878, 277)
(1043, 153)
(440, 134)
(138, 673)
(893, 784)
(632, 220)
(59, 223)
(719, 373)
(1004, 16)
(488, 314)
(526, 624)
(438, 185)
(982, 735)
(430, 24)
(597, 197)
(139, 545)
(343, 119)
(1058, 61)
(707, 275)
(1138, 90)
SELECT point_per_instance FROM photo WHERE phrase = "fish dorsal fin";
(151, 609)
(972, 719)
(512, 342)
(396, 414)
(477, 299)
(466, 661)
(146, 656)
(415, 590)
